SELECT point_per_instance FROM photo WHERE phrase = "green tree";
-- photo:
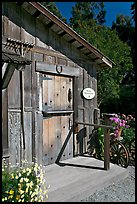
(53, 8)
(126, 31)
(125, 28)
(133, 11)
(108, 42)
(87, 11)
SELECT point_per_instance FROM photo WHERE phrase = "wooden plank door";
(57, 118)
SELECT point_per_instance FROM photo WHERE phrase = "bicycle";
(119, 154)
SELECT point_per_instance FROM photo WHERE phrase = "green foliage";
(127, 98)
(119, 52)
(88, 12)
(53, 8)
(128, 135)
(99, 150)
(115, 46)
(125, 29)
(23, 184)
(133, 10)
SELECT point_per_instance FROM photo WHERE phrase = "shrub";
(23, 183)
(126, 123)
(99, 152)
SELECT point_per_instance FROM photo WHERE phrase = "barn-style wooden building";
(49, 81)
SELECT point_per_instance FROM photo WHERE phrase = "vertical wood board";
(38, 136)
(28, 135)
(14, 132)
(14, 91)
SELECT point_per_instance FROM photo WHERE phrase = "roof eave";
(100, 56)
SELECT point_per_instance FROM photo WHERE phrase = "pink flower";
(118, 124)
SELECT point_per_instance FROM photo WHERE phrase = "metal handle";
(69, 95)
(70, 123)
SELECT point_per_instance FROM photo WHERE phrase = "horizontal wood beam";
(56, 69)
(95, 125)
(106, 142)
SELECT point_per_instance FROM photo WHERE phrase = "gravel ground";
(121, 191)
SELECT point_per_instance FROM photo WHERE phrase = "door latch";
(69, 95)
(70, 123)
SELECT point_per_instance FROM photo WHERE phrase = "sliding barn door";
(57, 118)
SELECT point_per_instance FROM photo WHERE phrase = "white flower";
(21, 180)
(19, 174)
(33, 194)
(22, 196)
(21, 192)
(24, 170)
(36, 199)
(27, 189)
(26, 180)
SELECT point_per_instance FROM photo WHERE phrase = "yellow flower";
(21, 180)
(28, 169)
(17, 197)
(26, 179)
(29, 184)
(16, 177)
(11, 196)
(11, 192)
(22, 196)
(36, 199)
(27, 190)
(12, 176)
(36, 191)
(41, 197)
(3, 199)
(33, 194)
(24, 170)
(28, 173)
(21, 191)
(36, 165)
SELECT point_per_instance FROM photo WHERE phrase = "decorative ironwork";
(59, 69)
(18, 46)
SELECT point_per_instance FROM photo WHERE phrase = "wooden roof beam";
(50, 24)
(62, 33)
(36, 14)
(72, 40)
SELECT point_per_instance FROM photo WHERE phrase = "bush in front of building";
(25, 183)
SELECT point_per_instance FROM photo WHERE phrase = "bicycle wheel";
(119, 154)
(132, 148)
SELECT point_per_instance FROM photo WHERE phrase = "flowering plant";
(119, 124)
(23, 184)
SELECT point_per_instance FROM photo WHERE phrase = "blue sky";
(112, 10)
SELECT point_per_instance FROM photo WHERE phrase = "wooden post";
(106, 145)
(106, 149)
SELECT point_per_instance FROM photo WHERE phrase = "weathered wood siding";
(52, 49)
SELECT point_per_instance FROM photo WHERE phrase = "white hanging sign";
(88, 93)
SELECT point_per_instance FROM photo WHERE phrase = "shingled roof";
(52, 21)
